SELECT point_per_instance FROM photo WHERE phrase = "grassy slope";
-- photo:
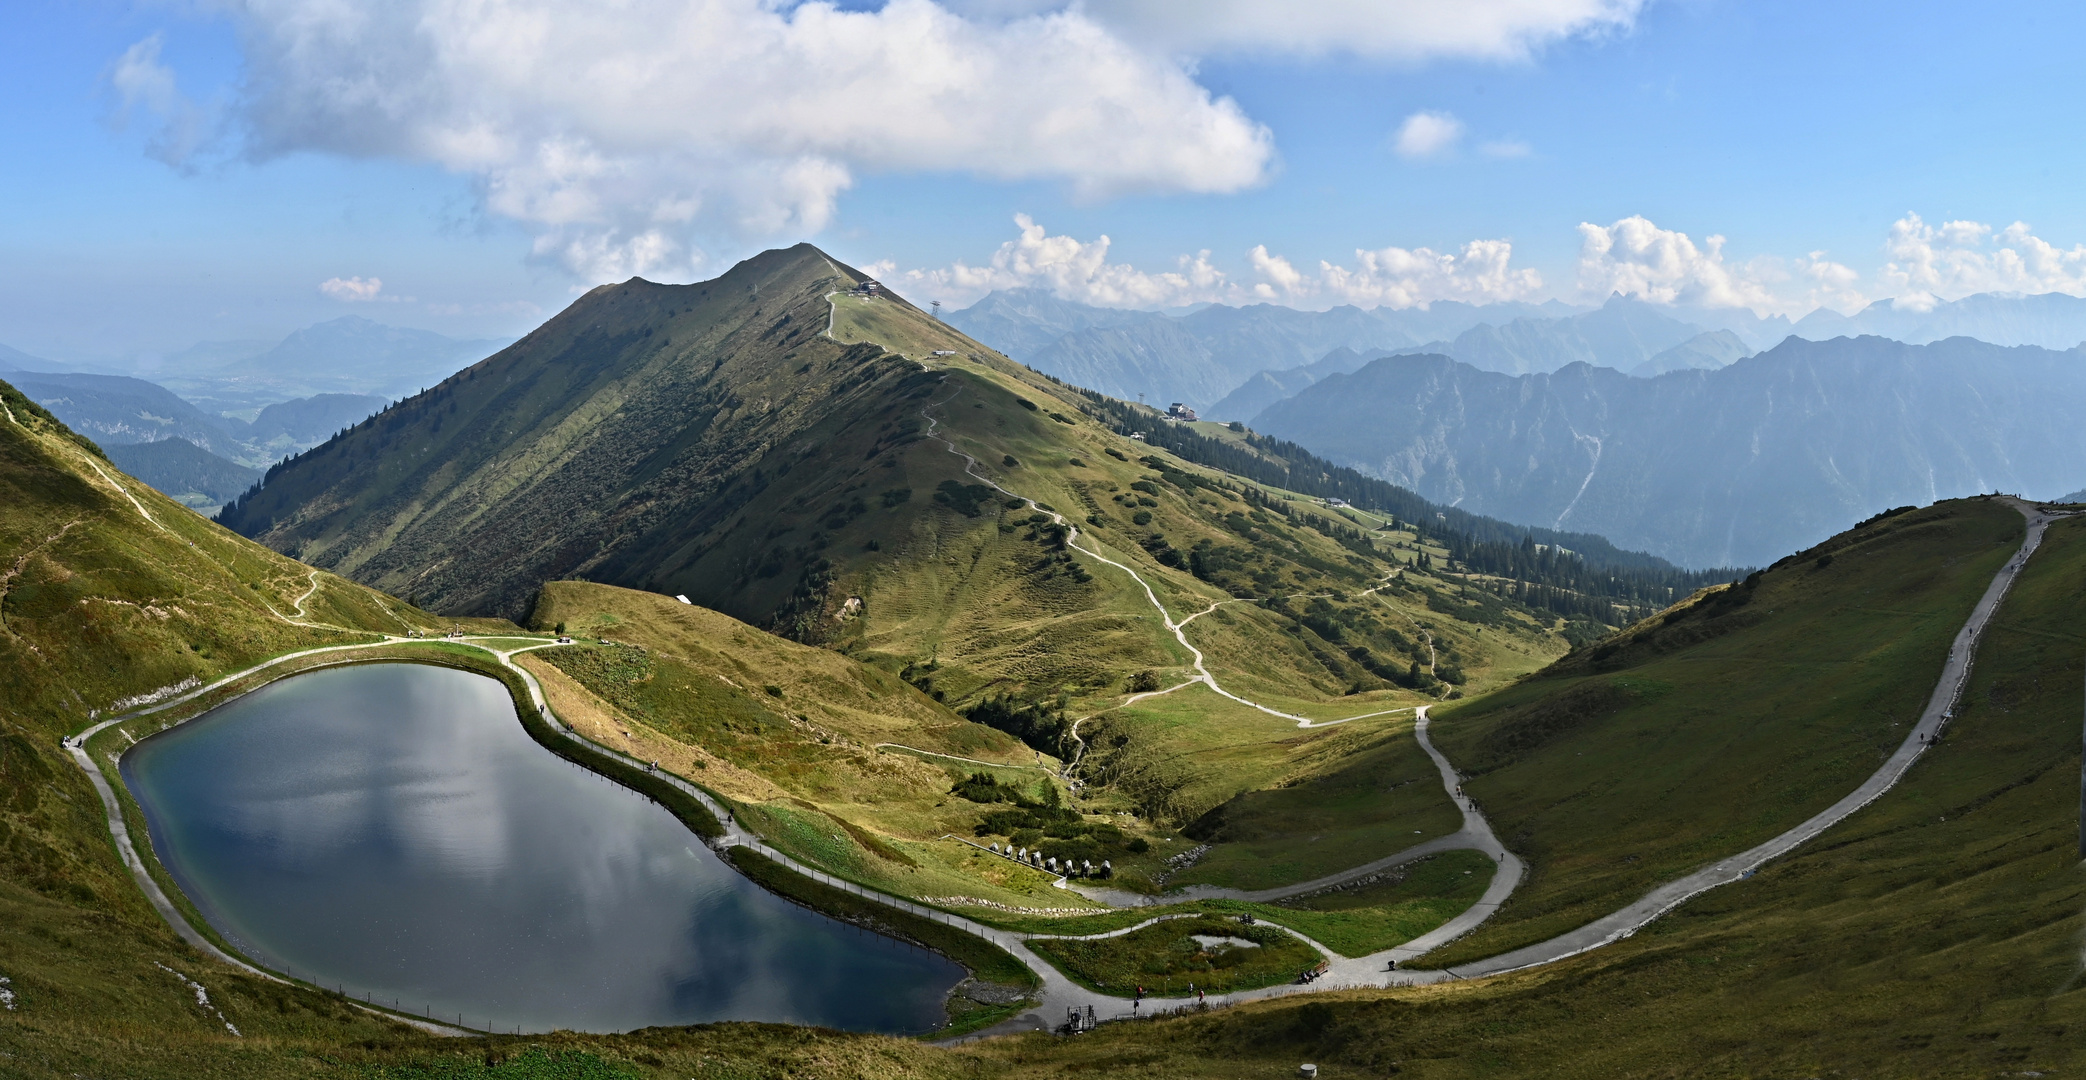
(1165, 958)
(1934, 934)
(98, 604)
(1415, 899)
(1640, 760)
(804, 767)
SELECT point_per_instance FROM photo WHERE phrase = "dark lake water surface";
(391, 828)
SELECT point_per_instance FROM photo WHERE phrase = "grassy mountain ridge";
(623, 428)
(715, 441)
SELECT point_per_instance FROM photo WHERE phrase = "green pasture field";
(1933, 934)
(1165, 958)
(1372, 918)
(1416, 898)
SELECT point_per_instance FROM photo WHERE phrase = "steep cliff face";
(1730, 467)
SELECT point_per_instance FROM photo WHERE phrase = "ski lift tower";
(936, 305)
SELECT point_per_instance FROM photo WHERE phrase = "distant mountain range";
(348, 355)
(1734, 466)
(118, 409)
(1264, 353)
(2051, 320)
(1627, 335)
(12, 359)
(114, 409)
(1200, 357)
(299, 392)
(186, 453)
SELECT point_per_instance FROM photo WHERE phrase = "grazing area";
(1371, 793)
(1389, 908)
(1211, 952)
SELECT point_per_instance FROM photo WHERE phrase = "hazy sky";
(214, 169)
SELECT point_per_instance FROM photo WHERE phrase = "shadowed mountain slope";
(607, 443)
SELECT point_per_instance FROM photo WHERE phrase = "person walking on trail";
(1198, 997)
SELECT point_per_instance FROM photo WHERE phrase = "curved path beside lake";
(126, 849)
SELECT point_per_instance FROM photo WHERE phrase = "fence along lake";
(390, 829)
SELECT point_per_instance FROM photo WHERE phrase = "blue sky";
(182, 172)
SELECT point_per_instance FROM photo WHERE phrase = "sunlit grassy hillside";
(1933, 934)
(1707, 731)
(841, 764)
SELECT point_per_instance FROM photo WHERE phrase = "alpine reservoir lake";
(390, 829)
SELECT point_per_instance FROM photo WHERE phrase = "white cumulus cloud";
(1400, 278)
(1928, 264)
(1827, 284)
(1074, 269)
(1637, 258)
(354, 289)
(624, 131)
(1407, 30)
(1428, 134)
